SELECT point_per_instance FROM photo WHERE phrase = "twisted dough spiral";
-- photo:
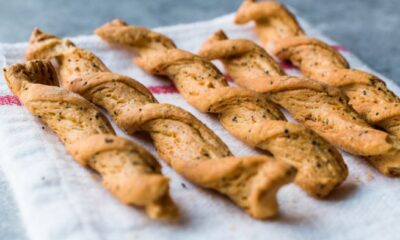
(128, 171)
(366, 93)
(273, 21)
(307, 100)
(184, 142)
(248, 116)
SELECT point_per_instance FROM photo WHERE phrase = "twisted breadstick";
(366, 93)
(128, 171)
(248, 116)
(252, 67)
(184, 142)
(273, 21)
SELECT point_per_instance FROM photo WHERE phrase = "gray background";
(369, 28)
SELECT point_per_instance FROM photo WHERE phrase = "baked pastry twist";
(307, 100)
(248, 116)
(273, 21)
(366, 93)
(129, 172)
(186, 144)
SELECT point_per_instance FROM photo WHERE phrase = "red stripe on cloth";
(163, 89)
(9, 100)
(340, 48)
(228, 77)
(287, 65)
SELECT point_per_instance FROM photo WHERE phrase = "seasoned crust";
(185, 143)
(273, 21)
(366, 93)
(120, 32)
(247, 115)
(129, 172)
(239, 56)
(318, 108)
(317, 55)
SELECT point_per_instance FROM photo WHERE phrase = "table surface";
(368, 27)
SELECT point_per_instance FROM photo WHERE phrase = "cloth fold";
(61, 200)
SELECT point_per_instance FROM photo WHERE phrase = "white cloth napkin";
(61, 200)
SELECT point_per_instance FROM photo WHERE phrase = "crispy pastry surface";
(185, 143)
(129, 172)
(365, 93)
(247, 115)
(273, 21)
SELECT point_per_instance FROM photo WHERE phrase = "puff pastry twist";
(129, 172)
(366, 93)
(186, 144)
(247, 115)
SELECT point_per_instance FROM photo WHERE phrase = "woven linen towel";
(60, 200)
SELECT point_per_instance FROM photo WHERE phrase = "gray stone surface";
(368, 27)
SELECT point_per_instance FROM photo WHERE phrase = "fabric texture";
(61, 200)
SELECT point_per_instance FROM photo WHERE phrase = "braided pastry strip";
(251, 66)
(273, 21)
(129, 172)
(186, 144)
(366, 93)
(248, 116)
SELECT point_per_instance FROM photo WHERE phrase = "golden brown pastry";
(185, 143)
(248, 116)
(129, 172)
(273, 21)
(366, 93)
(307, 100)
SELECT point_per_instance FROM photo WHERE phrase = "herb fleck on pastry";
(129, 172)
(185, 143)
(364, 92)
(249, 116)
